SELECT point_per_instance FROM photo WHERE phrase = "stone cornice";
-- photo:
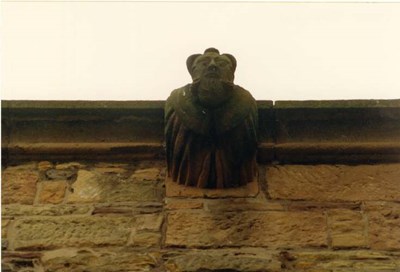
(342, 131)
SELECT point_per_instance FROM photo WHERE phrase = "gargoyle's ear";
(189, 62)
(232, 59)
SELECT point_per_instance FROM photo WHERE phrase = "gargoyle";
(211, 126)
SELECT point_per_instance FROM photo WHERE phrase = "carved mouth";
(212, 74)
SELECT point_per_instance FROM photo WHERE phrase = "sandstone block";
(55, 174)
(111, 170)
(144, 239)
(20, 261)
(317, 205)
(347, 228)
(8, 266)
(150, 174)
(146, 231)
(23, 166)
(94, 187)
(128, 208)
(45, 165)
(86, 188)
(111, 165)
(149, 222)
(177, 204)
(174, 189)
(349, 260)
(334, 182)
(4, 244)
(4, 224)
(70, 165)
(98, 260)
(18, 186)
(52, 192)
(243, 204)
(14, 210)
(272, 229)
(55, 232)
(384, 225)
(243, 259)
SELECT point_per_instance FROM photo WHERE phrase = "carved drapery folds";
(211, 126)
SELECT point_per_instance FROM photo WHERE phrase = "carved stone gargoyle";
(211, 126)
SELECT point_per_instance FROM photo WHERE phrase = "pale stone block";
(334, 182)
(52, 192)
(55, 232)
(273, 229)
(99, 260)
(241, 259)
(19, 186)
(174, 189)
(347, 229)
(384, 225)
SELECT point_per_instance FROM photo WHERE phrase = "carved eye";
(203, 62)
(222, 63)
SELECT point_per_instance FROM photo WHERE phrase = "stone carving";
(211, 126)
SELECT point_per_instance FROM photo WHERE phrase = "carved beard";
(212, 92)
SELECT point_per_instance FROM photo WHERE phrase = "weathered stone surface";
(94, 187)
(14, 210)
(20, 261)
(317, 205)
(244, 204)
(23, 166)
(52, 192)
(45, 165)
(347, 228)
(4, 225)
(4, 230)
(111, 170)
(70, 165)
(4, 244)
(177, 204)
(150, 174)
(19, 186)
(55, 174)
(144, 239)
(222, 229)
(86, 188)
(360, 260)
(98, 260)
(174, 189)
(56, 232)
(334, 182)
(147, 231)
(150, 222)
(268, 229)
(384, 225)
(243, 259)
(111, 165)
(128, 208)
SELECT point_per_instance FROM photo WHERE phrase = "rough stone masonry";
(112, 216)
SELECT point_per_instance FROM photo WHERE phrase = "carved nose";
(212, 67)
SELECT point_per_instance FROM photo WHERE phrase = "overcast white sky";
(137, 50)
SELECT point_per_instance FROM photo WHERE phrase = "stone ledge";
(342, 131)
(85, 151)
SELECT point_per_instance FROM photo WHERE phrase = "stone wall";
(109, 216)
(84, 189)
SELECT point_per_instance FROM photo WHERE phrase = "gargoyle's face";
(213, 65)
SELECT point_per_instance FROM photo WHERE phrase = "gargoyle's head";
(213, 76)
(212, 65)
